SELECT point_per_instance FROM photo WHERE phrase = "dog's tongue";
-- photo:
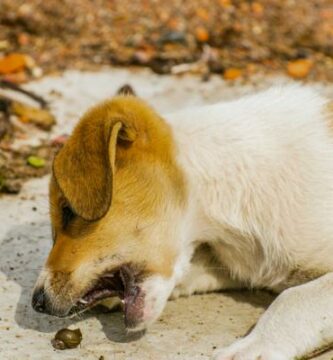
(134, 304)
(133, 298)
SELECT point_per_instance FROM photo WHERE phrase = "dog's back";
(262, 169)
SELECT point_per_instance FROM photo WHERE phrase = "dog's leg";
(298, 321)
(200, 280)
(206, 274)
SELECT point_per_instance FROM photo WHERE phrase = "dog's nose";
(38, 300)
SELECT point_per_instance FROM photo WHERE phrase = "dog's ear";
(84, 167)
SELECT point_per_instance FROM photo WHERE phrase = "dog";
(233, 195)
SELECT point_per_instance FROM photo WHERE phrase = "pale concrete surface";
(190, 328)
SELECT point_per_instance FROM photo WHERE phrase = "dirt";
(19, 123)
(15, 169)
(216, 35)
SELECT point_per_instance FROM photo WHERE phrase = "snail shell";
(67, 339)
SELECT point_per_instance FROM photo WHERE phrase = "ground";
(190, 328)
(243, 36)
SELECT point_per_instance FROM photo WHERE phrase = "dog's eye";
(67, 216)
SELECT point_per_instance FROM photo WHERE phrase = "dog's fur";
(232, 195)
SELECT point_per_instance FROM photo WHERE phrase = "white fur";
(260, 176)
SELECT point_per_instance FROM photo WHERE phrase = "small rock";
(172, 37)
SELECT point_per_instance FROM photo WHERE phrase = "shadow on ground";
(24, 250)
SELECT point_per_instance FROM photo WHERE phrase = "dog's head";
(116, 200)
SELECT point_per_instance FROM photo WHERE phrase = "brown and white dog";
(231, 195)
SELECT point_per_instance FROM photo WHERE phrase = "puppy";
(237, 194)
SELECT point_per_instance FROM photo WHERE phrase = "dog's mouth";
(120, 283)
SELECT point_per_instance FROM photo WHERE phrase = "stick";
(9, 85)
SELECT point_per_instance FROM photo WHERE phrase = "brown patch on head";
(84, 167)
(118, 181)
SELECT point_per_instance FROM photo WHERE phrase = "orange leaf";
(12, 63)
(201, 34)
(232, 74)
(299, 69)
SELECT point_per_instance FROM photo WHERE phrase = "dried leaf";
(201, 34)
(12, 63)
(36, 161)
(299, 69)
(232, 74)
(39, 117)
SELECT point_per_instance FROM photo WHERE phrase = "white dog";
(245, 185)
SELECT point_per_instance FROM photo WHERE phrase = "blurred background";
(235, 38)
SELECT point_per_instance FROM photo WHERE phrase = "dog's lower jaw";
(157, 291)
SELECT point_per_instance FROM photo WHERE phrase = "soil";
(15, 169)
(250, 36)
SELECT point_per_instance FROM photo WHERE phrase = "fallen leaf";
(300, 68)
(201, 34)
(12, 63)
(16, 78)
(36, 161)
(39, 117)
(232, 74)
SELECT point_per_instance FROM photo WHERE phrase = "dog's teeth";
(82, 301)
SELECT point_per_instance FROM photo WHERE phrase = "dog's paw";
(250, 348)
(179, 292)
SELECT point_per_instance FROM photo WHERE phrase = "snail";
(67, 339)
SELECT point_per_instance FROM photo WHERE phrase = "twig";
(9, 85)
